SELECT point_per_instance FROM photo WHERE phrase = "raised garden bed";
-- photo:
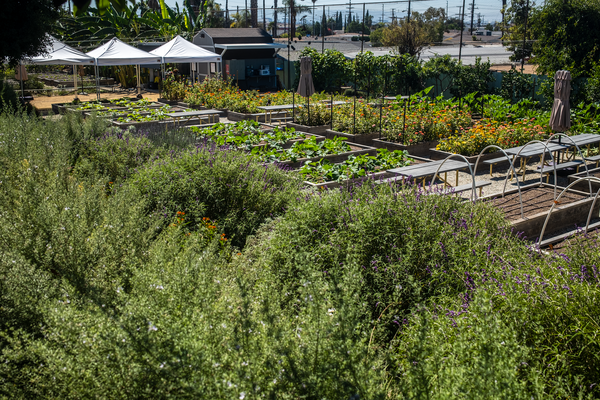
(236, 116)
(348, 182)
(290, 143)
(537, 199)
(421, 149)
(584, 186)
(366, 139)
(317, 130)
(356, 149)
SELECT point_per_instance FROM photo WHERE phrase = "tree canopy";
(566, 36)
(24, 27)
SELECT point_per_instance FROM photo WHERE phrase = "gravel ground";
(499, 174)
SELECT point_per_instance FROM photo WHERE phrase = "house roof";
(237, 35)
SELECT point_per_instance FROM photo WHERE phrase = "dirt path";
(527, 68)
(44, 103)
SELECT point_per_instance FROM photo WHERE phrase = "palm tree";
(240, 19)
(295, 8)
(254, 12)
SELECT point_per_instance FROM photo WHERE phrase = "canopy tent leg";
(21, 79)
(97, 83)
(139, 88)
(75, 78)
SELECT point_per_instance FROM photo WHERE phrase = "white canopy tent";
(58, 53)
(115, 52)
(180, 50)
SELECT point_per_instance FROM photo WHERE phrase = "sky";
(489, 9)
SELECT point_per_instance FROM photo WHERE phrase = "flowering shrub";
(471, 141)
(173, 86)
(425, 121)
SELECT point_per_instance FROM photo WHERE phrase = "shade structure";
(560, 117)
(180, 50)
(58, 53)
(115, 52)
(306, 87)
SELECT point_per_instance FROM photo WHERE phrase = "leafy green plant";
(354, 166)
(308, 148)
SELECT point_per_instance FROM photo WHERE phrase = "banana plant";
(134, 23)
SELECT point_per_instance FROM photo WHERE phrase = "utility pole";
(349, 14)
(408, 15)
(524, 38)
(313, 12)
(393, 18)
(503, 8)
(264, 16)
(362, 35)
(226, 19)
(462, 29)
(275, 18)
(447, 15)
(472, 15)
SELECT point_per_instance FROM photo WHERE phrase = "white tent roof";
(115, 52)
(180, 50)
(59, 53)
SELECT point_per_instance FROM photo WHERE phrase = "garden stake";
(331, 107)
(380, 117)
(354, 111)
(404, 119)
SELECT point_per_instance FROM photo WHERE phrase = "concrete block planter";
(169, 102)
(440, 155)
(572, 210)
(317, 130)
(421, 149)
(357, 149)
(366, 139)
(583, 185)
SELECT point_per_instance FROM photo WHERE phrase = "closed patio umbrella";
(306, 87)
(560, 117)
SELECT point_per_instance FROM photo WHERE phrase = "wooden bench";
(493, 161)
(595, 159)
(464, 188)
(548, 169)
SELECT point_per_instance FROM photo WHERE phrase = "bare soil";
(535, 201)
